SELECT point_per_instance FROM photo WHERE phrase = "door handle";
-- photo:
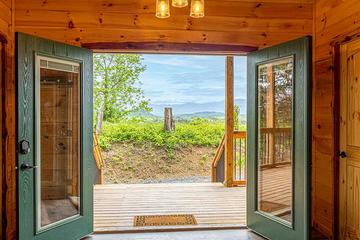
(343, 154)
(26, 166)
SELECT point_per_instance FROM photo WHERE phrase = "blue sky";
(178, 79)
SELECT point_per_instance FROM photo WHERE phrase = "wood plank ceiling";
(232, 22)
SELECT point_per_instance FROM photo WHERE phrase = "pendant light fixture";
(162, 8)
(179, 3)
(197, 9)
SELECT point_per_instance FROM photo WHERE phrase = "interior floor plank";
(189, 235)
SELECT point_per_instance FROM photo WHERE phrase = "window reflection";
(275, 100)
(58, 126)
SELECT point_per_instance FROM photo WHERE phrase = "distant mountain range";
(188, 116)
(209, 115)
(208, 109)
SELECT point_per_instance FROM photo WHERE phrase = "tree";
(117, 88)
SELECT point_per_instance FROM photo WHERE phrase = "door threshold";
(169, 228)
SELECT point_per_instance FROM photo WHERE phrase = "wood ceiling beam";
(156, 47)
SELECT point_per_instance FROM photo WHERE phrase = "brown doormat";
(164, 220)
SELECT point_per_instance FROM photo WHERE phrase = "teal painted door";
(279, 113)
(54, 131)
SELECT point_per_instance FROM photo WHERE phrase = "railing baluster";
(244, 158)
(240, 159)
(282, 151)
(235, 156)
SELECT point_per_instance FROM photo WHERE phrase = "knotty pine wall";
(7, 158)
(246, 22)
(334, 21)
(241, 22)
(233, 22)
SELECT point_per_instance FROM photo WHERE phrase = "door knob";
(26, 166)
(342, 154)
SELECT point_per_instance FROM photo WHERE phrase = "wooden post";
(2, 78)
(270, 113)
(99, 123)
(229, 122)
(169, 123)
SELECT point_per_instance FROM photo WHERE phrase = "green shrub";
(197, 132)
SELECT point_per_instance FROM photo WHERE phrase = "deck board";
(213, 205)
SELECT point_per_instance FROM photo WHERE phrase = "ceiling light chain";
(197, 8)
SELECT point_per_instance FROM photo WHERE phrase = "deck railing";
(98, 160)
(274, 149)
(239, 158)
(275, 146)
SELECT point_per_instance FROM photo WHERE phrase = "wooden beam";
(2, 81)
(270, 112)
(229, 122)
(163, 47)
(8, 124)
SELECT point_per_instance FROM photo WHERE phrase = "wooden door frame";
(228, 51)
(3, 158)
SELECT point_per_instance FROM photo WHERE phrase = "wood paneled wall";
(245, 22)
(8, 180)
(334, 21)
(248, 23)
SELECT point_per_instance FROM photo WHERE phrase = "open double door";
(56, 170)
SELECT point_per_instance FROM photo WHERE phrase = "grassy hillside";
(197, 132)
(140, 151)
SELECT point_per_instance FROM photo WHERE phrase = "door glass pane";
(58, 140)
(275, 101)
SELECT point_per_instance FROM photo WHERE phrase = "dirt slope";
(146, 163)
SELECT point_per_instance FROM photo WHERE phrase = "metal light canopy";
(179, 3)
(197, 9)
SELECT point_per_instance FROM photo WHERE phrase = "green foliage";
(236, 117)
(197, 132)
(117, 88)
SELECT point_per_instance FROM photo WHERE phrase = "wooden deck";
(213, 205)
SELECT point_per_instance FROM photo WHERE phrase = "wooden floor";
(212, 204)
(239, 234)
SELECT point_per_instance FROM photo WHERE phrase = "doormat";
(164, 220)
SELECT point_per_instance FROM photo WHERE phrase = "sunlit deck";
(212, 204)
